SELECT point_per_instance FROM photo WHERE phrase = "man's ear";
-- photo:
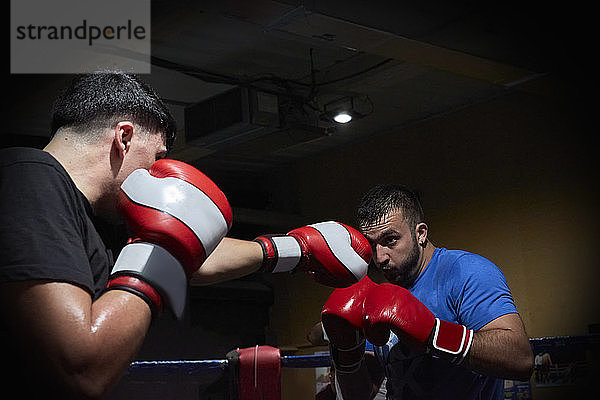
(123, 135)
(421, 231)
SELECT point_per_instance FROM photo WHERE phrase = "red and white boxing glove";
(394, 308)
(178, 216)
(334, 254)
(342, 318)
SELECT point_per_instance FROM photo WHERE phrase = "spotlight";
(342, 110)
(343, 117)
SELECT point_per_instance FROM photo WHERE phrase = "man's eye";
(390, 241)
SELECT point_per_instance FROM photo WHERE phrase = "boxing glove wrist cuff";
(156, 266)
(139, 288)
(281, 253)
(451, 341)
(347, 360)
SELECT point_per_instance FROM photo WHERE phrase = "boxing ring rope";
(206, 371)
(250, 373)
(253, 369)
(142, 370)
(200, 370)
(151, 370)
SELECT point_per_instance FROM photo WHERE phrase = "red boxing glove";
(178, 216)
(394, 308)
(334, 254)
(342, 318)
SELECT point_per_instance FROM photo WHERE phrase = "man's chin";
(395, 278)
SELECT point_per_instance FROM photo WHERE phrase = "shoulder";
(24, 155)
(44, 218)
(28, 170)
(34, 187)
(20, 156)
(465, 265)
(479, 290)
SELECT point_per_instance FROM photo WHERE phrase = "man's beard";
(406, 273)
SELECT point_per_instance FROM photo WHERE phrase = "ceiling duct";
(232, 117)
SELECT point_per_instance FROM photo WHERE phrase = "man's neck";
(83, 163)
(426, 256)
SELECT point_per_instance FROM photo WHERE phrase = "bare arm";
(231, 259)
(501, 348)
(82, 345)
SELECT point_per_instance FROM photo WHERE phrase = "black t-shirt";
(47, 227)
(47, 232)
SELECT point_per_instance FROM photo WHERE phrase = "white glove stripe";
(338, 239)
(166, 195)
(435, 339)
(467, 347)
(288, 253)
(157, 266)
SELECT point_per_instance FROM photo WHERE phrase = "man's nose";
(380, 255)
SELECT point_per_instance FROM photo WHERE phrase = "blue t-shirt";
(459, 287)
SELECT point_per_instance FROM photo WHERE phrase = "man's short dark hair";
(381, 200)
(103, 98)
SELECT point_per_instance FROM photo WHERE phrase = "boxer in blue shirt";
(444, 327)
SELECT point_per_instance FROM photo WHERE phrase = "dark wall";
(513, 179)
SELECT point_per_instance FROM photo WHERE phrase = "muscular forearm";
(501, 353)
(116, 331)
(231, 259)
(80, 347)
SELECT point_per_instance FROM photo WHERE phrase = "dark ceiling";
(401, 62)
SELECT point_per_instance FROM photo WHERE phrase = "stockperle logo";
(78, 36)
